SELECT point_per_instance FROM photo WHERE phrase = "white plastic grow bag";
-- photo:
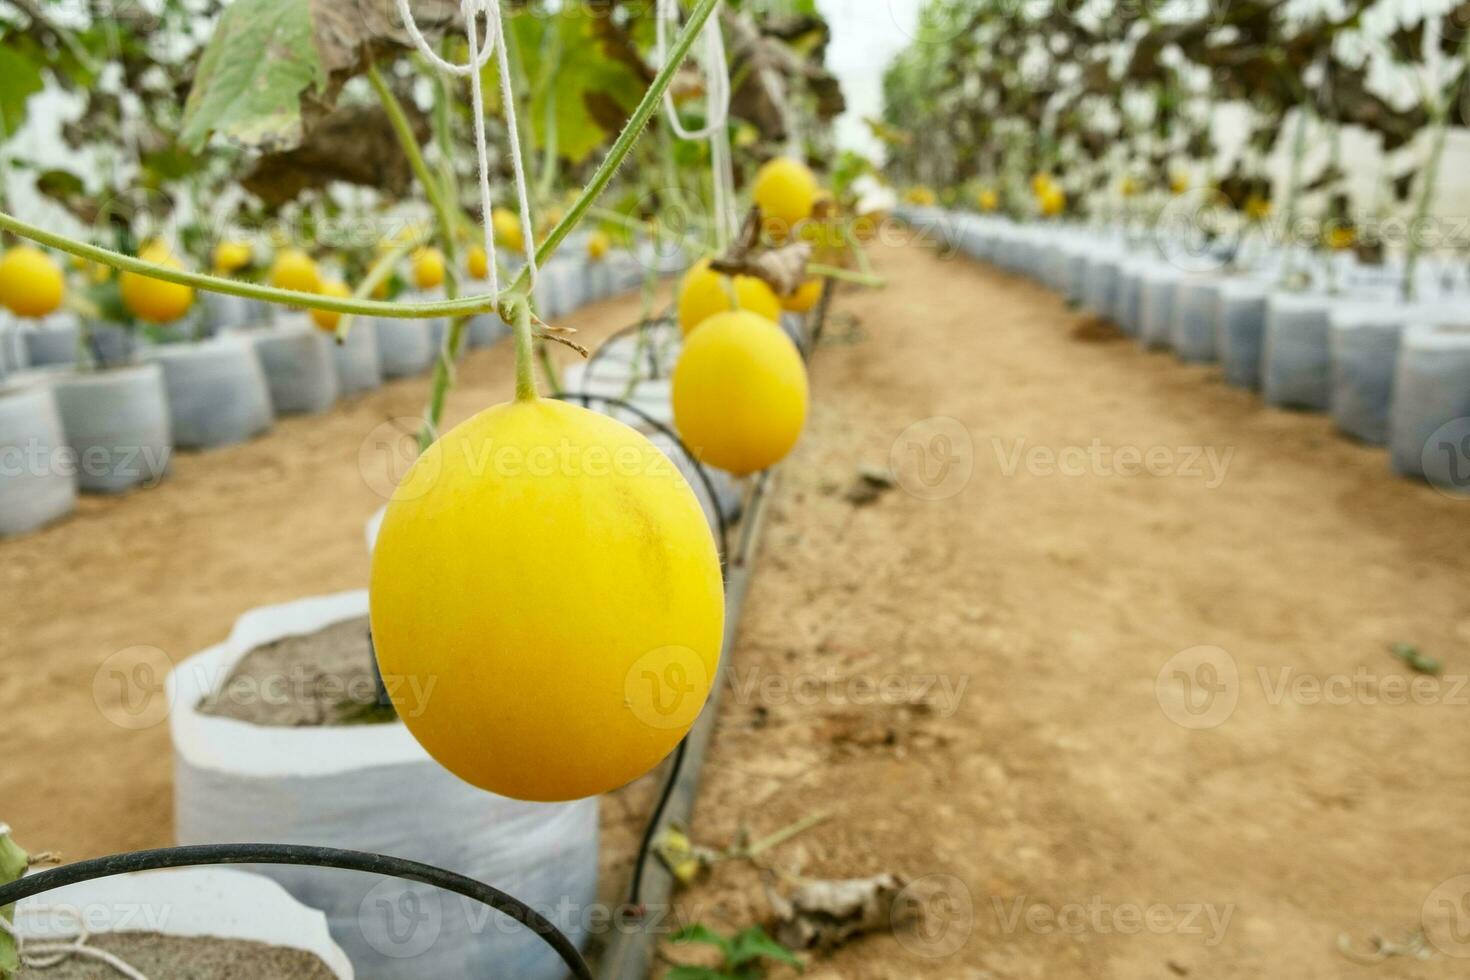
(356, 359)
(117, 423)
(1159, 286)
(405, 347)
(373, 788)
(1196, 309)
(298, 367)
(1429, 428)
(37, 469)
(1296, 358)
(217, 392)
(1240, 330)
(216, 902)
(1365, 348)
(52, 340)
(1128, 304)
(1100, 292)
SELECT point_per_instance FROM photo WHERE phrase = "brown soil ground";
(968, 686)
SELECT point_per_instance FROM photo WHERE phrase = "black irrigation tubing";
(306, 856)
(655, 820)
(722, 524)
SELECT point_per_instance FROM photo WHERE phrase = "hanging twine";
(716, 127)
(43, 954)
(478, 58)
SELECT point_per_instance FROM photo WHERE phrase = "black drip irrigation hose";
(307, 856)
(655, 820)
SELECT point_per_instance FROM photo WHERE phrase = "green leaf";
(703, 935)
(20, 78)
(573, 82)
(753, 944)
(261, 59)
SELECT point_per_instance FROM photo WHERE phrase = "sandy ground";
(985, 691)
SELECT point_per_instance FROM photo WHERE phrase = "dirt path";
(968, 684)
(1044, 797)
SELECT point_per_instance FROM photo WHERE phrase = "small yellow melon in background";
(598, 245)
(154, 300)
(786, 191)
(478, 263)
(989, 200)
(294, 269)
(31, 283)
(232, 256)
(328, 319)
(920, 197)
(547, 607)
(507, 227)
(705, 293)
(740, 393)
(428, 268)
(1053, 200)
(804, 298)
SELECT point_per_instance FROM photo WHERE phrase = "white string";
(46, 953)
(716, 127)
(478, 59)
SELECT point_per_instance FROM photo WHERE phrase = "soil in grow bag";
(161, 957)
(313, 679)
